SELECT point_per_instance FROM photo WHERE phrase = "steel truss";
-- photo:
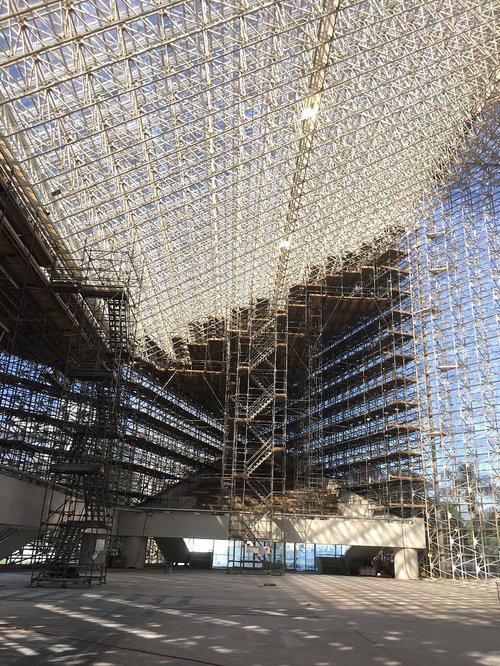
(454, 257)
(192, 143)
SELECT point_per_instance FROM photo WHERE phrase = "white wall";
(21, 502)
(21, 505)
(393, 533)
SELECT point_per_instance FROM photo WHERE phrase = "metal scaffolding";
(84, 474)
(80, 412)
(254, 467)
(359, 405)
(308, 443)
(301, 197)
(454, 261)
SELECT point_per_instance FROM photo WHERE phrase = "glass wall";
(455, 288)
(298, 556)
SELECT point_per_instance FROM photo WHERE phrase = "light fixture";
(310, 112)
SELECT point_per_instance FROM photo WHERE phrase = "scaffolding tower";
(359, 408)
(83, 479)
(254, 469)
(308, 446)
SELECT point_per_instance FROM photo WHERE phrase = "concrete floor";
(197, 617)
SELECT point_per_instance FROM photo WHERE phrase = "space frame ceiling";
(207, 153)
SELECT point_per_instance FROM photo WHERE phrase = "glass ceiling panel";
(210, 153)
